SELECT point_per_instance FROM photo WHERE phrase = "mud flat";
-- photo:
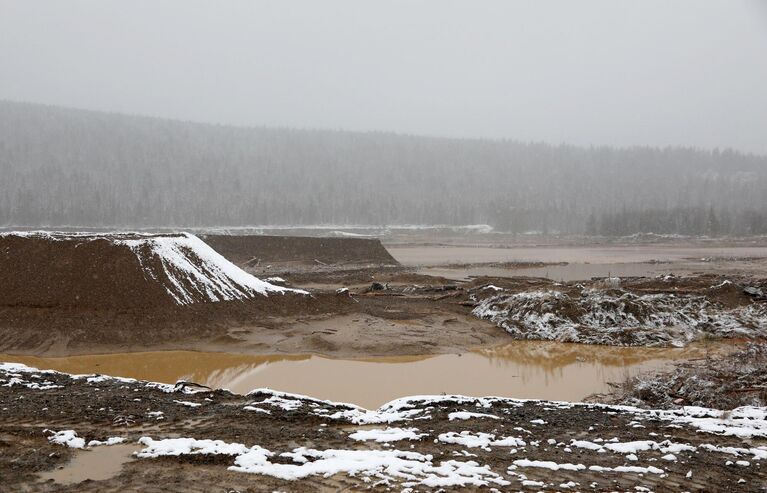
(194, 439)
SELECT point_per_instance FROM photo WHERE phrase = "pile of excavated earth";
(120, 271)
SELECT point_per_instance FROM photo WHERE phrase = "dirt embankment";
(72, 293)
(78, 294)
(118, 271)
(63, 294)
(256, 250)
(74, 271)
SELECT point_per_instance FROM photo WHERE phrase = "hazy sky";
(658, 72)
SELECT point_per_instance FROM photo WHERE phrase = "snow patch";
(463, 415)
(387, 435)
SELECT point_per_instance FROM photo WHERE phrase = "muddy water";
(98, 464)
(523, 369)
(443, 255)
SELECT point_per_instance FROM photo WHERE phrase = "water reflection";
(524, 369)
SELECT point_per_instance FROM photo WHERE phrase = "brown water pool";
(523, 369)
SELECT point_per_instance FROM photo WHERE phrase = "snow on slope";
(185, 266)
(195, 270)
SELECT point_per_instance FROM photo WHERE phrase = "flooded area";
(524, 369)
(445, 255)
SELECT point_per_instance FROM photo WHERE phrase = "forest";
(67, 167)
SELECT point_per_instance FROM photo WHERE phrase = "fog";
(618, 73)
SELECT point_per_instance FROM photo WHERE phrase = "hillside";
(73, 167)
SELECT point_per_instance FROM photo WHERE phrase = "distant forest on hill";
(65, 167)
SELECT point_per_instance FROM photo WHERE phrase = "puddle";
(569, 272)
(523, 369)
(97, 464)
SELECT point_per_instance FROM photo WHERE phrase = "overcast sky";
(657, 72)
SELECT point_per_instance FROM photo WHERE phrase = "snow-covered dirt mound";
(41, 269)
(619, 317)
(191, 271)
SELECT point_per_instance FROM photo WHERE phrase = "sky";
(591, 72)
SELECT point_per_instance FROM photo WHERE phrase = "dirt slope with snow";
(273, 441)
(64, 270)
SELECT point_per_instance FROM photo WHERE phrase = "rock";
(754, 291)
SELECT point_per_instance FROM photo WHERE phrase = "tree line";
(66, 167)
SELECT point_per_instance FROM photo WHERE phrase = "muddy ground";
(387, 310)
(492, 442)
(396, 314)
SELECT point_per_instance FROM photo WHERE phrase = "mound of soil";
(117, 271)
(254, 250)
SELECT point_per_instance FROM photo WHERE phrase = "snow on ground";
(727, 438)
(387, 435)
(66, 437)
(409, 468)
(618, 318)
(188, 446)
(108, 441)
(479, 440)
(70, 439)
(188, 403)
(549, 465)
